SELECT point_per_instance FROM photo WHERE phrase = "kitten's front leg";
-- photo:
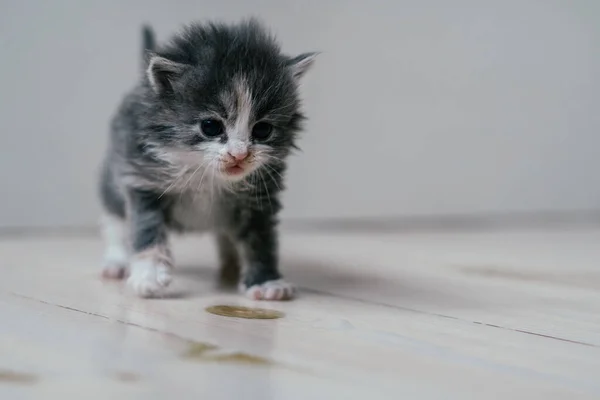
(151, 263)
(262, 280)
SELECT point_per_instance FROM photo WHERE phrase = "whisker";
(277, 115)
(175, 181)
(199, 186)
(202, 176)
(185, 186)
(212, 187)
(255, 178)
(270, 156)
(274, 170)
(284, 107)
(271, 176)
(266, 190)
(190, 179)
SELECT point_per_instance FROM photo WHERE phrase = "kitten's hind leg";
(116, 252)
(229, 260)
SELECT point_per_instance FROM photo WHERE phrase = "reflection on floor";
(388, 316)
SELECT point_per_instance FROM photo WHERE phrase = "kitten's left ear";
(302, 63)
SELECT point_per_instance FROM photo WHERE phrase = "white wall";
(417, 107)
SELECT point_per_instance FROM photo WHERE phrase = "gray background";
(417, 107)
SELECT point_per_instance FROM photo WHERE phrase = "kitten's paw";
(150, 276)
(277, 290)
(116, 263)
(112, 270)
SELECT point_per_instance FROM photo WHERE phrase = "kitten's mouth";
(235, 170)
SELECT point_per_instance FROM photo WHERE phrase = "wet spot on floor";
(198, 349)
(205, 352)
(244, 312)
(241, 358)
(17, 378)
(126, 376)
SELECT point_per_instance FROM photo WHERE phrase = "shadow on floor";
(402, 290)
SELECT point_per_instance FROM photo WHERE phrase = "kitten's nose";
(239, 155)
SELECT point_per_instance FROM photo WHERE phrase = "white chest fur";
(195, 211)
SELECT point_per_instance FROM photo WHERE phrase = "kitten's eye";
(212, 127)
(262, 130)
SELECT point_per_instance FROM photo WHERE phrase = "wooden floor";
(390, 316)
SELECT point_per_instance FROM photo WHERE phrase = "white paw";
(113, 270)
(271, 290)
(149, 278)
(116, 263)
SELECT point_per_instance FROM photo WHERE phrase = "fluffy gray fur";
(168, 169)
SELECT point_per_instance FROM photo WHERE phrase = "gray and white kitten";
(200, 144)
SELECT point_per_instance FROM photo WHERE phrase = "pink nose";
(239, 155)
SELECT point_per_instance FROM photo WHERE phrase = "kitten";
(200, 144)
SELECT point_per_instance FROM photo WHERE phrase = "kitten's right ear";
(302, 63)
(162, 73)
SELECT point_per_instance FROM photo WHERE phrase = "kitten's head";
(224, 98)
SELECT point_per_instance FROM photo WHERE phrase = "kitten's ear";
(162, 72)
(300, 64)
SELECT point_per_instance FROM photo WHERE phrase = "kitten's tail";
(148, 42)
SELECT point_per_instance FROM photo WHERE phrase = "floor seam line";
(320, 292)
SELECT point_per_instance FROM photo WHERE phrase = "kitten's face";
(231, 113)
(242, 128)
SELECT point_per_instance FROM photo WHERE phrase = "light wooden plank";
(418, 316)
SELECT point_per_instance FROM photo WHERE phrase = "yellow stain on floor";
(198, 351)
